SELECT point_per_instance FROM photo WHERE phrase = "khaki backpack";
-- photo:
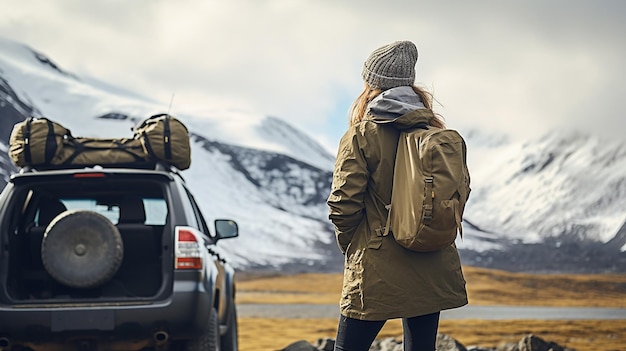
(430, 189)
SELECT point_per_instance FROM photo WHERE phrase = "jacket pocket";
(352, 278)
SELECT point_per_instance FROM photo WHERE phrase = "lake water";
(466, 312)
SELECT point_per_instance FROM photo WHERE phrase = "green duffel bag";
(82, 151)
(165, 139)
(36, 142)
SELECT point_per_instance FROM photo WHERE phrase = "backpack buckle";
(381, 231)
(427, 216)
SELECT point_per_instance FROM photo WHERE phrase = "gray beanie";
(391, 66)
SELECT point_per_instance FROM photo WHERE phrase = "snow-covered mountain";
(556, 202)
(276, 193)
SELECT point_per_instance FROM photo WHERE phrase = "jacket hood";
(400, 107)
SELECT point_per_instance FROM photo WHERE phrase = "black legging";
(420, 333)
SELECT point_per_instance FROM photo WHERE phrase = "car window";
(128, 201)
(155, 209)
(188, 208)
(198, 214)
(86, 204)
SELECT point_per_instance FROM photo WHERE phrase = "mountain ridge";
(553, 203)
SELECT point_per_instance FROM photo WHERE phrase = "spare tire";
(81, 249)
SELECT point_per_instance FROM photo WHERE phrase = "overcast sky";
(521, 67)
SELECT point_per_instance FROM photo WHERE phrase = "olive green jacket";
(383, 280)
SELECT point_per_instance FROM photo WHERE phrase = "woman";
(383, 280)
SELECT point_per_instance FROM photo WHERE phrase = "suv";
(111, 259)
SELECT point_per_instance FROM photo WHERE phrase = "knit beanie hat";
(391, 66)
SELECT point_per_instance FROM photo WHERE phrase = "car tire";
(81, 249)
(209, 340)
(230, 340)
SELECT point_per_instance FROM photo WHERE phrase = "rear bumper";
(183, 314)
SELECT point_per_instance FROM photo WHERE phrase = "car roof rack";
(157, 166)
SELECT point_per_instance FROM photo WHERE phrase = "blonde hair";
(357, 110)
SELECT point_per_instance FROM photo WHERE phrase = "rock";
(387, 344)
(532, 343)
(444, 343)
(301, 345)
(448, 343)
(325, 344)
(535, 343)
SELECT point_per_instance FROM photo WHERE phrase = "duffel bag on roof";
(40, 142)
(103, 152)
(37, 141)
(166, 139)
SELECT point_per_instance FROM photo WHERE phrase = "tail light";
(188, 254)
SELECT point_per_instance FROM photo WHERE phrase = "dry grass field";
(485, 287)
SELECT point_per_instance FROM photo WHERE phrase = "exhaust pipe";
(161, 337)
(4, 343)
(86, 345)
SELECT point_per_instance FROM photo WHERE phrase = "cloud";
(514, 67)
